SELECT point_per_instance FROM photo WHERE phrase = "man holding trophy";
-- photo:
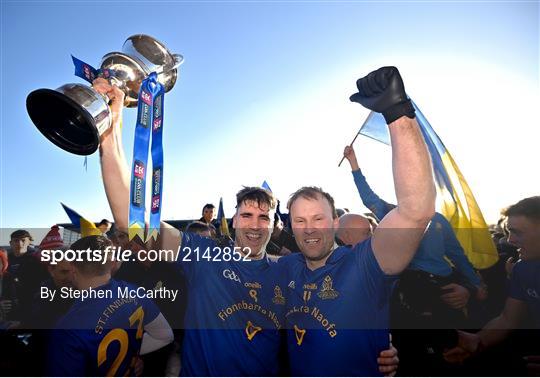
(92, 117)
(239, 356)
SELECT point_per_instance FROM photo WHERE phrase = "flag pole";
(343, 158)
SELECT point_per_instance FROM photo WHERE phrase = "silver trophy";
(74, 116)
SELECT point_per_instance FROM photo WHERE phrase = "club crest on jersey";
(292, 285)
(278, 296)
(327, 292)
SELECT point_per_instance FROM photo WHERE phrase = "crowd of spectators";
(427, 307)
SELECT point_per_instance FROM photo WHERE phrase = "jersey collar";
(337, 254)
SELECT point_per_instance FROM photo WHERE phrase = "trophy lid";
(140, 56)
(154, 57)
(150, 51)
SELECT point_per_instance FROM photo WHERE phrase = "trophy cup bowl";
(74, 116)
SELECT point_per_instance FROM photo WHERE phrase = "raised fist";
(383, 92)
(116, 97)
(348, 152)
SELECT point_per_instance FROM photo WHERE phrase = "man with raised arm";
(231, 325)
(235, 303)
(438, 246)
(338, 297)
(433, 294)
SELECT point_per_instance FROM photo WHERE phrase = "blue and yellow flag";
(223, 226)
(455, 199)
(86, 227)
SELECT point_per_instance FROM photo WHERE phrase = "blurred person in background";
(523, 225)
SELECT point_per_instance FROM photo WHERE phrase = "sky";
(263, 95)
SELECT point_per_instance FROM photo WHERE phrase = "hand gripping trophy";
(74, 116)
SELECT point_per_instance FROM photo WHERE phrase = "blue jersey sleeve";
(369, 198)
(454, 251)
(374, 279)
(66, 355)
(517, 288)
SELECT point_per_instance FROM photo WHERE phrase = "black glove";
(383, 92)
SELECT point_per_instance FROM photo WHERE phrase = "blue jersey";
(525, 286)
(337, 315)
(100, 336)
(234, 312)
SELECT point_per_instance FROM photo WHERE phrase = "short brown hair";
(207, 206)
(198, 226)
(256, 194)
(312, 193)
(95, 243)
(21, 234)
(527, 207)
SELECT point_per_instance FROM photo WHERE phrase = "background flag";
(266, 186)
(86, 227)
(89, 228)
(455, 199)
(74, 217)
(278, 211)
(223, 226)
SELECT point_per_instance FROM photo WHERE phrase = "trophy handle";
(178, 60)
